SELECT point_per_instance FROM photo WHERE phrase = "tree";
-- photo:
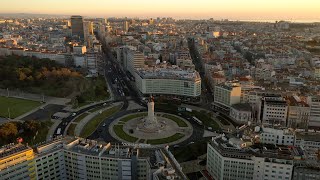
(31, 126)
(8, 130)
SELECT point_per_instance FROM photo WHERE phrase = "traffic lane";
(103, 130)
(64, 123)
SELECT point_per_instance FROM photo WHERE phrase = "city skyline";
(236, 10)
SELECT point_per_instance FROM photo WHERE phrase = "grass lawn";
(96, 109)
(172, 138)
(132, 116)
(79, 118)
(17, 106)
(92, 125)
(118, 129)
(179, 121)
(71, 129)
(42, 132)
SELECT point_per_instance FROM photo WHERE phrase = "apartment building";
(168, 81)
(230, 158)
(77, 158)
(226, 95)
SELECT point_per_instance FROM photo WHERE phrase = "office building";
(314, 103)
(275, 110)
(87, 30)
(226, 95)
(125, 26)
(231, 158)
(241, 113)
(16, 162)
(298, 112)
(277, 136)
(133, 60)
(77, 27)
(168, 81)
(77, 158)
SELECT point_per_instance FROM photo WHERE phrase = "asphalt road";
(45, 113)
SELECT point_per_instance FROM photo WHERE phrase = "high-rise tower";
(77, 26)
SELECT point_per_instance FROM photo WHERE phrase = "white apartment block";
(225, 160)
(314, 103)
(92, 60)
(168, 81)
(226, 95)
(16, 162)
(275, 111)
(298, 113)
(241, 113)
(277, 136)
(77, 158)
(134, 60)
(308, 140)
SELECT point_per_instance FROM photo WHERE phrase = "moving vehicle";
(58, 131)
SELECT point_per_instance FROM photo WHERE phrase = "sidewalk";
(85, 120)
(53, 128)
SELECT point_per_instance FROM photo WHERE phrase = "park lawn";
(118, 129)
(79, 118)
(172, 138)
(132, 116)
(96, 109)
(92, 125)
(42, 133)
(17, 106)
(179, 121)
(71, 129)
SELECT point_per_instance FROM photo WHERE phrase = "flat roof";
(168, 73)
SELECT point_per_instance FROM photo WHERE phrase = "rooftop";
(168, 73)
(227, 148)
(12, 149)
(242, 106)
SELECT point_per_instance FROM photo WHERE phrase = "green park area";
(132, 116)
(179, 121)
(40, 76)
(71, 129)
(15, 106)
(32, 132)
(79, 118)
(97, 90)
(172, 138)
(118, 129)
(92, 125)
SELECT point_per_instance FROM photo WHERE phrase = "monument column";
(151, 110)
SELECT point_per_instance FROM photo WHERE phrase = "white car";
(104, 124)
(74, 114)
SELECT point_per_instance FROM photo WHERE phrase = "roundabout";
(151, 128)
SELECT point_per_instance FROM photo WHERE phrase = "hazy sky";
(232, 9)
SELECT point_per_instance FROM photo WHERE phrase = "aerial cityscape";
(164, 90)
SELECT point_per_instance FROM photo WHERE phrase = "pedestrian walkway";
(53, 128)
(85, 120)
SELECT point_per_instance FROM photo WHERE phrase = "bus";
(197, 120)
